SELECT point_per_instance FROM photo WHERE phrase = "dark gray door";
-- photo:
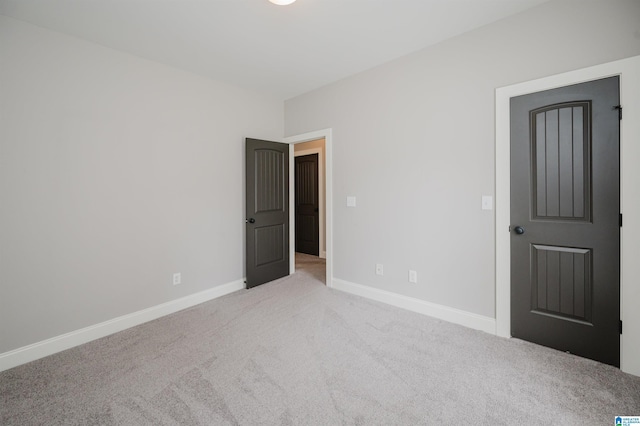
(565, 223)
(307, 212)
(267, 215)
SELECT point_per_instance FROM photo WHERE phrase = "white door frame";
(321, 196)
(629, 72)
(328, 180)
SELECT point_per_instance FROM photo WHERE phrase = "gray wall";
(115, 172)
(413, 140)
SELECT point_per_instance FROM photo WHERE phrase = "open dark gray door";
(565, 219)
(307, 203)
(267, 212)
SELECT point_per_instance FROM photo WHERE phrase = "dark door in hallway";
(267, 211)
(307, 204)
(565, 223)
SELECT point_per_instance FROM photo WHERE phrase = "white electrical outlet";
(379, 269)
(177, 278)
(413, 276)
(487, 202)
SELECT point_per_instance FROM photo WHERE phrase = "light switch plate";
(487, 202)
(351, 201)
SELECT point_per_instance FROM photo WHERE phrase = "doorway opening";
(309, 171)
(313, 143)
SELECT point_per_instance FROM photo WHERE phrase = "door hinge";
(620, 326)
(509, 228)
(619, 108)
(620, 220)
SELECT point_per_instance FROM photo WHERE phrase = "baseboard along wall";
(445, 313)
(69, 340)
(66, 341)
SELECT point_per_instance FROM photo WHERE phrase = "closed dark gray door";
(307, 212)
(565, 223)
(267, 215)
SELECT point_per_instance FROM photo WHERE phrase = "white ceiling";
(281, 50)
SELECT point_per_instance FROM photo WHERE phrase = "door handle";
(250, 220)
(519, 230)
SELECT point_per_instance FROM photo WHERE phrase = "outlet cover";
(487, 202)
(177, 278)
(379, 269)
(413, 276)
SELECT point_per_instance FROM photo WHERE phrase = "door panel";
(267, 211)
(561, 162)
(269, 244)
(561, 280)
(565, 201)
(307, 205)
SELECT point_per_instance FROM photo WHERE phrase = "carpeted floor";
(294, 352)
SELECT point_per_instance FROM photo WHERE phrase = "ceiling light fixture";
(282, 2)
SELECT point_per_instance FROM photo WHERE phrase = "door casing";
(328, 198)
(629, 72)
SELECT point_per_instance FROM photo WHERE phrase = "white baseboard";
(456, 316)
(74, 338)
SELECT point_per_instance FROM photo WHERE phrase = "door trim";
(322, 249)
(629, 72)
(328, 184)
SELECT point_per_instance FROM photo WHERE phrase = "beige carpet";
(293, 352)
